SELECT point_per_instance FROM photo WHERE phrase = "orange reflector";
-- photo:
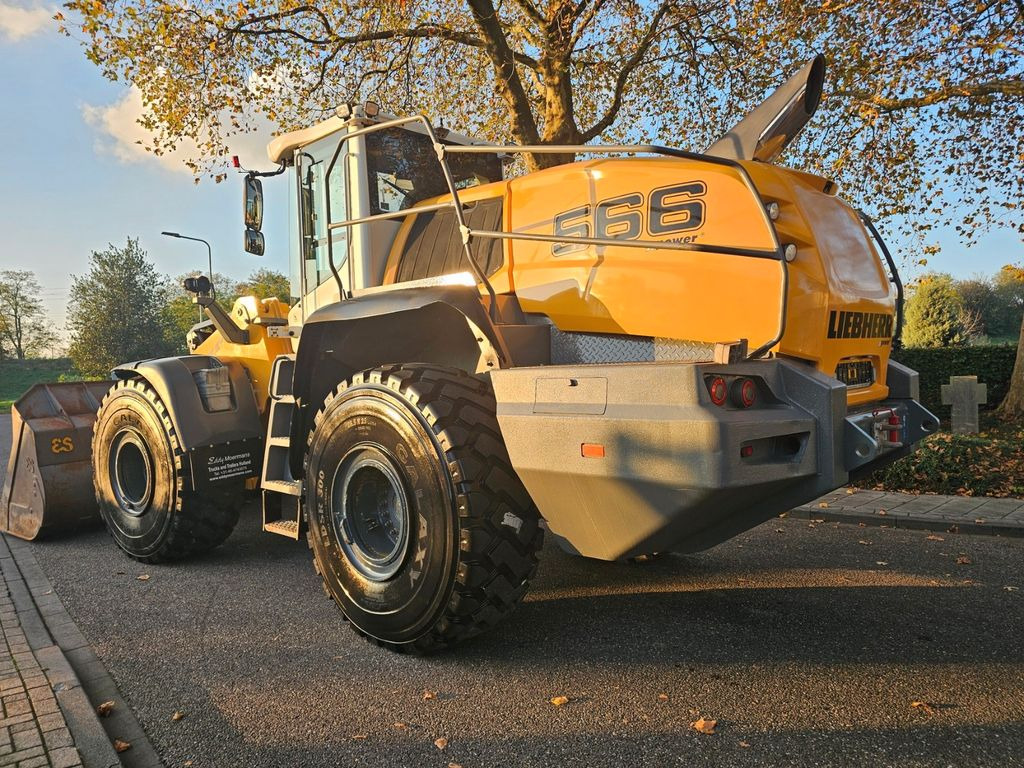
(592, 451)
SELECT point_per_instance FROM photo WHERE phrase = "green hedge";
(992, 364)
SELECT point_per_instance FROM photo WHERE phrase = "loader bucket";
(48, 487)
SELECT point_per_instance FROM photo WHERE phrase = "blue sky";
(74, 180)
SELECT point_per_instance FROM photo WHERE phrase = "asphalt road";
(806, 642)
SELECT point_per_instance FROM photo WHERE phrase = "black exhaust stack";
(767, 130)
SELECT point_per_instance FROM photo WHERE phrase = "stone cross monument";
(965, 394)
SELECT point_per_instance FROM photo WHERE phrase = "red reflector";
(234, 161)
(592, 451)
(718, 390)
(747, 451)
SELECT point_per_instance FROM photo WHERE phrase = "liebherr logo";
(859, 325)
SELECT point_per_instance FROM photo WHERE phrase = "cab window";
(404, 169)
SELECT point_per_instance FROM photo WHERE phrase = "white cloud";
(120, 135)
(17, 22)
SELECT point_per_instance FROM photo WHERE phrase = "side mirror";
(254, 242)
(253, 203)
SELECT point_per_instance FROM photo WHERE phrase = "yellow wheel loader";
(646, 350)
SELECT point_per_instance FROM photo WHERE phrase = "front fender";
(195, 426)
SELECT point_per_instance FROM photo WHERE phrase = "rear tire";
(143, 483)
(420, 528)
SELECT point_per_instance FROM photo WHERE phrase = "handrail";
(467, 233)
(894, 278)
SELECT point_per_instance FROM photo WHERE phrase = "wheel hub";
(370, 513)
(131, 472)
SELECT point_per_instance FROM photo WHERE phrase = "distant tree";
(1008, 295)
(265, 284)
(1012, 407)
(979, 302)
(116, 311)
(934, 314)
(24, 331)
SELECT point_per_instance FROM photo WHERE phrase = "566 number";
(670, 210)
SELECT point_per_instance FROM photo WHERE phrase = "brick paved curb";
(926, 512)
(77, 676)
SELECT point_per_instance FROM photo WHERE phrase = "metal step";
(287, 487)
(288, 528)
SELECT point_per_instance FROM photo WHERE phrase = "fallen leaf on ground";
(560, 701)
(864, 542)
(662, 697)
(401, 726)
(428, 695)
(104, 709)
(850, 491)
(823, 505)
(454, 765)
(1008, 588)
(924, 706)
(441, 742)
(963, 560)
(122, 746)
(933, 537)
(880, 562)
(980, 521)
(359, 737)
(882, 512)
(744, 744)
(780, 530)
(143, 577)
(178, 714)
(704, 726)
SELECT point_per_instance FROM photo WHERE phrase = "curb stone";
(80, 680)
(925, 512)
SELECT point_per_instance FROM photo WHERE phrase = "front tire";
(419, 526)
(143, 483)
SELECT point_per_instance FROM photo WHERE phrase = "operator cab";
(333, 179)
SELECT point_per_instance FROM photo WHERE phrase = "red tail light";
(718, 390)
(744, 392)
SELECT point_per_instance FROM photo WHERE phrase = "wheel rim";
(131, 472)
(370, 513)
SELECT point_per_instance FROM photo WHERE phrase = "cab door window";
(315, 218)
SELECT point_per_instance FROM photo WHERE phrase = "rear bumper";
(678, 472)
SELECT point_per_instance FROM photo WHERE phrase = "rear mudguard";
(441, 324)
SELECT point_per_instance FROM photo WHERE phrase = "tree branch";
(425, 31)
(627, 69)
(524, 125)
(1013, 87)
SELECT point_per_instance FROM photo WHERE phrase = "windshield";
(403, 169)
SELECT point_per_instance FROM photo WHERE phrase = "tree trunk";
(1012, 407)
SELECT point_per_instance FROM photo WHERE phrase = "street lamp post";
(209, 257)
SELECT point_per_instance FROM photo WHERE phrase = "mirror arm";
(281, 167)
(224, 324)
